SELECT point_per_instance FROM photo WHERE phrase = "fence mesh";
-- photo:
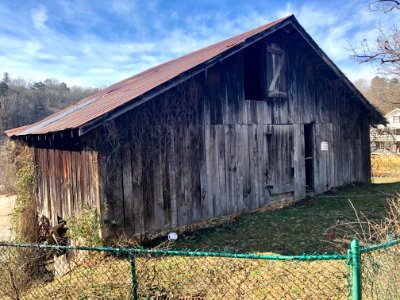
(61, 273)
(182, 277)
(380, 272)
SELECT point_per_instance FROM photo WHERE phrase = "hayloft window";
(276, 72)
(253, 73)
(395, 119)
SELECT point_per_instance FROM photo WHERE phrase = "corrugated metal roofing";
(126, 90)
(113, 97)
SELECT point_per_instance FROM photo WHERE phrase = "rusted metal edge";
(57, 117)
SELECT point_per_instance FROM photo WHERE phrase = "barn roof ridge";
(131, 92)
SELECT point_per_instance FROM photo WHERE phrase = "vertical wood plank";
(195, 165)
(238, 162)
(157, 189)
(228, 168)
(137, 188)
(299, 162)
(214, 174)
(129, 224)
(221, 203)
(166, 187)
(183, 178)
(262, 132)
(209, 149)
(173, 173)
(244, 152)
(253, 167)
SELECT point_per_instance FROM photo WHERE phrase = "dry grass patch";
(182, 277)
(385, 165)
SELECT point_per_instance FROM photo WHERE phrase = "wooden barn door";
(281, 168)
(324, 167)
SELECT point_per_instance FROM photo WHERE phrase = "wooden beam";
(276, 74)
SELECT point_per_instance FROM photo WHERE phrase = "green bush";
(84, 228)
(25, 219)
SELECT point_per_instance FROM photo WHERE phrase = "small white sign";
(324, 146)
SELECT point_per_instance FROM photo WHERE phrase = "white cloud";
(288, 10)
(145, 36)
(101, 71)
(39, 17)
(356, 71)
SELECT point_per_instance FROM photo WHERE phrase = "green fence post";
(133, 274)
(356, 266)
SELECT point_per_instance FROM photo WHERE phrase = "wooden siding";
(65, 180)
(231, 154)
(201, 150)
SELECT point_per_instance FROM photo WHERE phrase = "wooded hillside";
(23, 102)
(383, 93)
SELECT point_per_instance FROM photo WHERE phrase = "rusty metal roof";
(127, 92)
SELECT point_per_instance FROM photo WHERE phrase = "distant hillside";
(383, 93)
(23, 102)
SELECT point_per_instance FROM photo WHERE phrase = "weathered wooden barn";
(255, 119)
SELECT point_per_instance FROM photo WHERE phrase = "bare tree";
(386, 50)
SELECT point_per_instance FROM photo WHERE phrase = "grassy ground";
(200, 278)
(298, 229)
(302, 227)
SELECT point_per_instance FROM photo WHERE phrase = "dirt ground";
(7, 204)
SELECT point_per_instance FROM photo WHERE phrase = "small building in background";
(386, 139)
(259, 118)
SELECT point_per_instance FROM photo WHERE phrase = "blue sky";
(97, 43)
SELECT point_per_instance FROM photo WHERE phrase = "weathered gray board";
(202, 150)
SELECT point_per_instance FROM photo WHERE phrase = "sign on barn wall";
(324, 146)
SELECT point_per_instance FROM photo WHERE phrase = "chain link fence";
(62, 272)
(380, 271)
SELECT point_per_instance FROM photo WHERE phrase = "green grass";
(298, 229)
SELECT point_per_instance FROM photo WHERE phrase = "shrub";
(84, 228)
(25, 219)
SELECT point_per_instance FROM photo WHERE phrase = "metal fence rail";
(62, 272)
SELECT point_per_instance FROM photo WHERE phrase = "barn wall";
(202, 150)
(154, 178)
(65, 180)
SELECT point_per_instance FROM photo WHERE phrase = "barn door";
(324, 167)
(281, 170)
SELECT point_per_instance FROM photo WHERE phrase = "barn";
(259, 118)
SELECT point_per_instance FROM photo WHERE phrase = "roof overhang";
(289, 24)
